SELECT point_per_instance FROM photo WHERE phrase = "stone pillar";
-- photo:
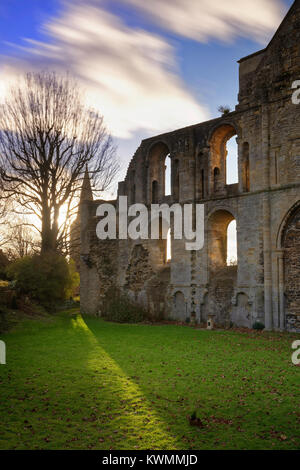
(148, 187)
(207, 171)
(281, 290)
(267, 264)
(240, 163)
(205, 251)
(181, 194)
(267, 217)
(210, 179)
(193, 179)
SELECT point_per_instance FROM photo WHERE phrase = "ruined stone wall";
(264, 285)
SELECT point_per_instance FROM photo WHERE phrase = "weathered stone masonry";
(265, 284)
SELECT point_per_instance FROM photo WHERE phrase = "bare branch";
(47, 139)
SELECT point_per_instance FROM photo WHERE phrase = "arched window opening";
(169, 247)
(232, 175)
(232, 244)
(154, 192)
(168, 176)
(222, 240)
(156, 171)
(224, 156)
(246, 168)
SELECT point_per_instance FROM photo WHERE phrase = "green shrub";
(117, 307)
(258, 326)
(74, 279)
(7, 294)
(47, 279)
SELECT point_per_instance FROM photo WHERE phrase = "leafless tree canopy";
(19, 240)
(47, 139)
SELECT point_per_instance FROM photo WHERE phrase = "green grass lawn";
(74, 383)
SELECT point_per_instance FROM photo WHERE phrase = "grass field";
(81, 383)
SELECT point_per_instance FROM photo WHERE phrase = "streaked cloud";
(215, 19)
(128, 73)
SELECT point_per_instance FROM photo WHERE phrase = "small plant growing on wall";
(224, 110)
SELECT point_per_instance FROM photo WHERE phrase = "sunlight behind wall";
(232, 244)
(232, 176)
(169, 247)
(168, 176)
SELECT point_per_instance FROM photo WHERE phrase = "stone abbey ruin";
(264, 284)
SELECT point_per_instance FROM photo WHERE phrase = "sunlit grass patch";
(81, 383)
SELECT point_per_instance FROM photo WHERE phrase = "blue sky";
(149, 66)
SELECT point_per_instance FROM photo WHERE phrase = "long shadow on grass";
(162, 361)
(129, 418)
(61, 389)
(180, 370)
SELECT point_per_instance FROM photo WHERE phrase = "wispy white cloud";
(128, 73)
(220, 19)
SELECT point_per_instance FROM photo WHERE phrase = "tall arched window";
(232, 175)
(168, 190)
(156, 171)
(222, 240)
(232, 244)
(224, 156)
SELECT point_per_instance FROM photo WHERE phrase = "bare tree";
(5, 210)
(21, 240)
(47, 139)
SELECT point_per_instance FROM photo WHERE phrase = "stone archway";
(241, 313)
(218, 157)
(222, 275)
(290, 243)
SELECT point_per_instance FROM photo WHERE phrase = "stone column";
(205, 250)
(267, 217)
(207, 171)
(240, 163)
(148, 187)
(267, 264)
(193, 179)
(281, 289)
